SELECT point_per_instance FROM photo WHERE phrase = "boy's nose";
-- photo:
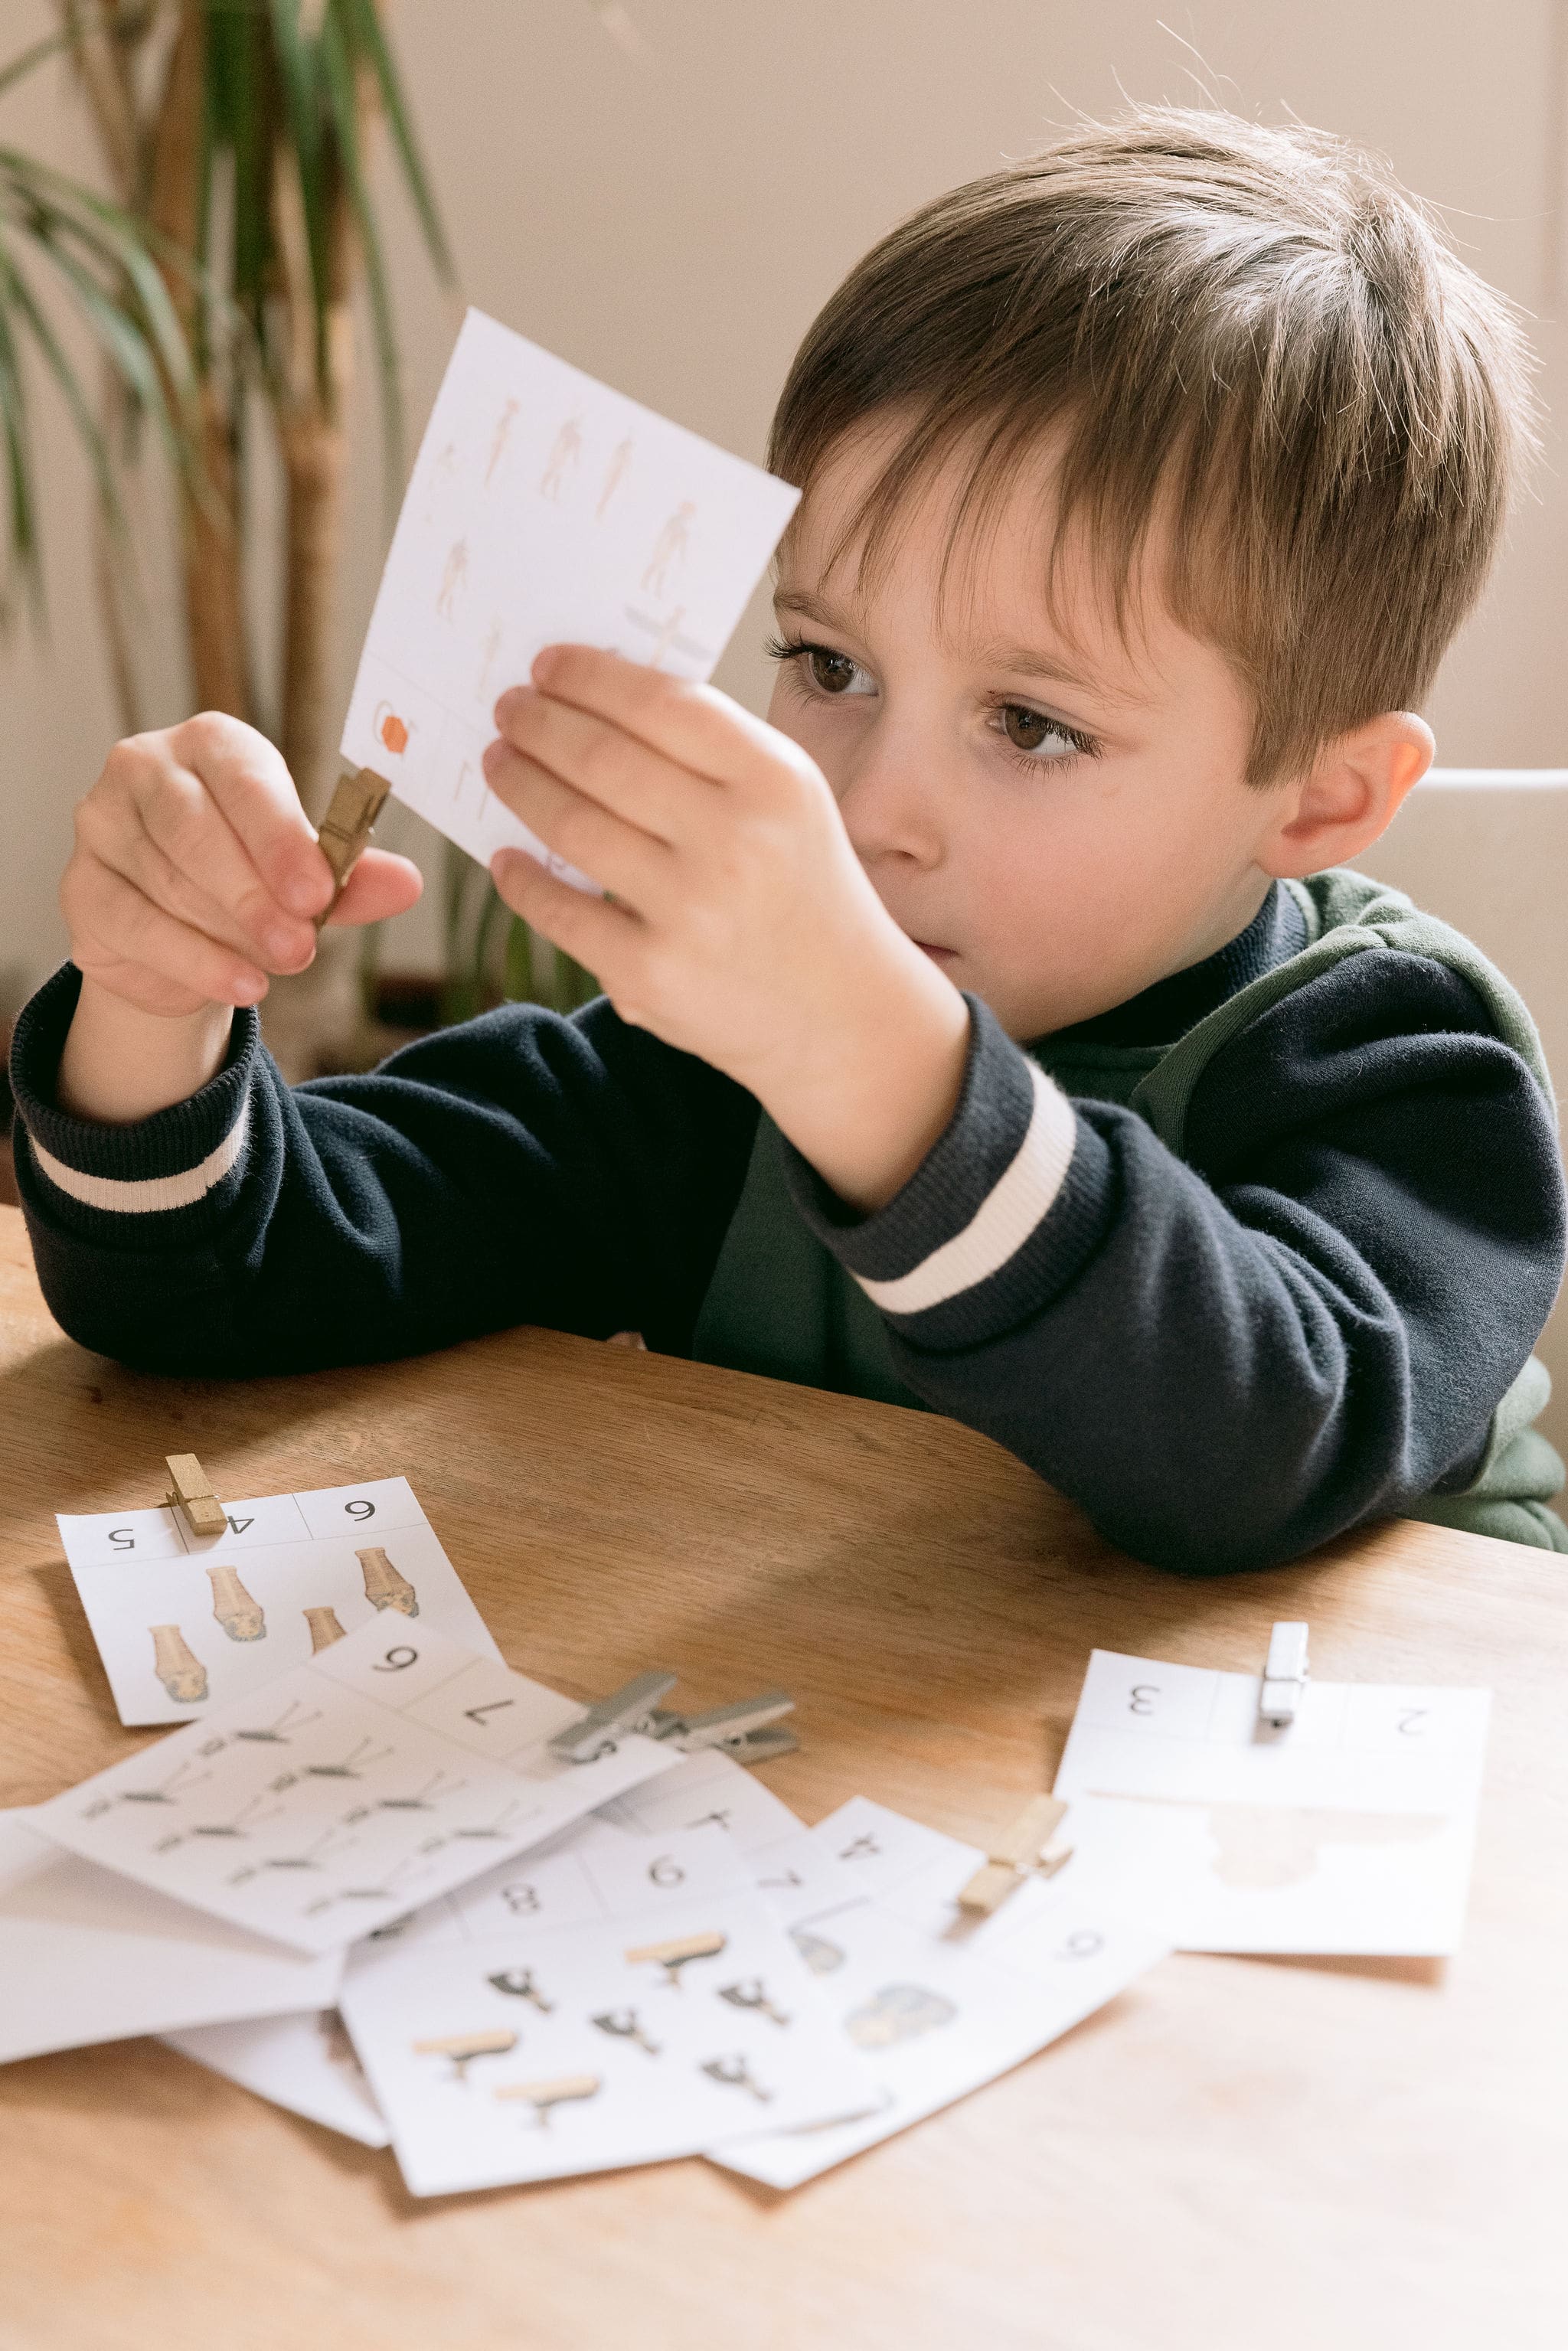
(890, 804)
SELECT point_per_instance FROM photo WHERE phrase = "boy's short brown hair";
(1254, 337)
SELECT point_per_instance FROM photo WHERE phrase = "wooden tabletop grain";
(1235, 2153)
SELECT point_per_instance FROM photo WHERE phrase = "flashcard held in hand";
(184, 1622)
(543, 508)
(391, 1768)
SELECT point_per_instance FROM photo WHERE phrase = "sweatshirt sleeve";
(1229, 1358)
(520, 1168)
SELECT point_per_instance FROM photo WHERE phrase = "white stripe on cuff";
(1005, 1218)
(150, 1193)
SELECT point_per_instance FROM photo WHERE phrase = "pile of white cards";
(364, 1886)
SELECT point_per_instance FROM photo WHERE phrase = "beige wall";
(669, 210)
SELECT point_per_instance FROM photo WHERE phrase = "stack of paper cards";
(86, 1956)
(543, 508)
(184, 1622)
(639, 2004)
(934, 2000)
(379, 1774)
(1349, 1832)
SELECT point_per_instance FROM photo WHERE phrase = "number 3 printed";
(1142, 1700)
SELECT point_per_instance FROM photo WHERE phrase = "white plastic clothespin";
(1030, 1847)
(744, 1728)
(1284, 1675)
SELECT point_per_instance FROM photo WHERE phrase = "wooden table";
(1235, 2153)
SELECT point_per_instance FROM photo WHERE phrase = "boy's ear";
(1350, 796)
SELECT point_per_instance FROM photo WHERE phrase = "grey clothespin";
(740, 1729)
(1284, 1675)
(744, 1728)
(626, 1710)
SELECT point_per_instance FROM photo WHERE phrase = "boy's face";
(1058, 825)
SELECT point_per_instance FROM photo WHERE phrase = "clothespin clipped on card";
(744, 1729)
(1285, 1676)
(1025, 1849)
(345, 829)
(190, 1492)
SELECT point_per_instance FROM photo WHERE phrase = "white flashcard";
(1348, 1833)
(304, 2063)
(532, 2053)
(543, 508)
(706, 1790)
(937, 2002)
(185, 1622)
(86, 1956)
(391, 1768)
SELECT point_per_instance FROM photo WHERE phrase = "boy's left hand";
(741, 926)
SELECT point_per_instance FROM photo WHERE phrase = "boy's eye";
(1031, 730)
(830, 673)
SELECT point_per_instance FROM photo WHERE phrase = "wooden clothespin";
(1026, 1849)
(676, 1954)
(192, 1492)
(1285, 1676)
(345, 829)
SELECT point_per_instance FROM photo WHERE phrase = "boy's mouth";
(937, 954)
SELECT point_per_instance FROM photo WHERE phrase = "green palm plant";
(220, 280)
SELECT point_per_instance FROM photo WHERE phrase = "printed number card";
(381, 1773)
(533, 2052)
(543, 508)
(935, 2002)
(1348, 1833)
(184, 1622)
(86, 1956)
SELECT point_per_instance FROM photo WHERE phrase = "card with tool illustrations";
(1348, 1832)
(391, 1767)
(936, 2003)
(184, 1622)
(522, 2053)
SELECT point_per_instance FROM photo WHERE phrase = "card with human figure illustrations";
(391, 1768)
(543, 508)
(183, 1622)
(1348, 1833)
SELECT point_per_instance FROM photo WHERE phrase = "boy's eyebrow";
(1020, 661)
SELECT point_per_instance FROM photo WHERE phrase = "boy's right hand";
(196, 872)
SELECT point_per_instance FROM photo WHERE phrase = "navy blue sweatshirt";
(1252, 1259)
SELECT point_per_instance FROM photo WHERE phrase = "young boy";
(995, 1029)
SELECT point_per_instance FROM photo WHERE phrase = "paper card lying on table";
(531, 2053)
(304, 2063)
(585, 1873)
(543, 508)
(935, 2001)
(1348, 1833)
(184, 1622)
(86, 1956)
(383, 1773)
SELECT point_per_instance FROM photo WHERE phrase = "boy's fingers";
(619, 856)
(142, 932)
(187, 859)
(593, 932)
(601, 759)
(693, 725)
(382, 883)
(247, 777)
